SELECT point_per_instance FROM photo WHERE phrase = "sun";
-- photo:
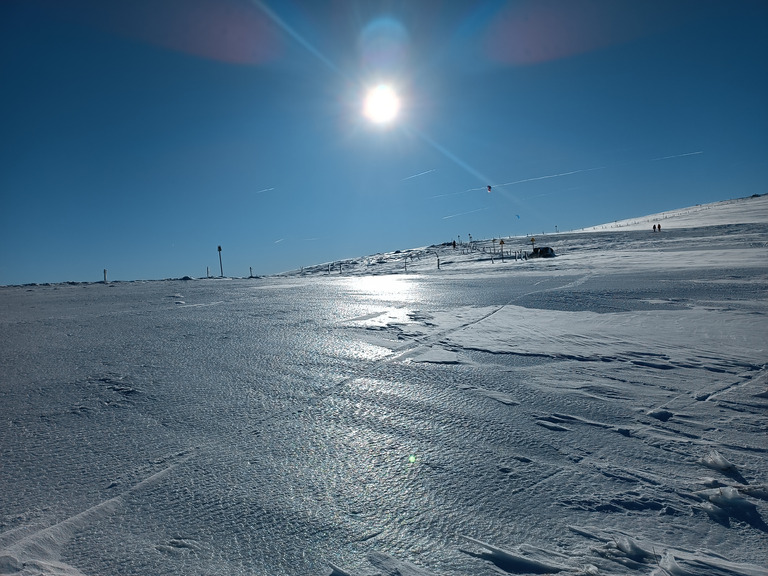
(381, 104)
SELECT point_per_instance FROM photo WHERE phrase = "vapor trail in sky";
(464, 213)
(451, 156)
(550, 176)
(419, 174)
(522, 181)
(450, 194)
(265, 190)
(677, 156)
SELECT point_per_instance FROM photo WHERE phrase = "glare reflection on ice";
(360, 350)
(391, 287)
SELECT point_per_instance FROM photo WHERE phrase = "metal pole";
(221, 266)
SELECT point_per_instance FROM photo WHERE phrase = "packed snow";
(600, 412)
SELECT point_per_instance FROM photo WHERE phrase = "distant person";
(654, 227)
(659, 227)
(454, 244)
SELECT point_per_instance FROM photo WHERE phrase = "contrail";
(265, 190)
(448, 154)
(464, 213)
(454, 193)
(677, 156)
(521, 181)
(549, 176)
(278, 241)
(419, 174)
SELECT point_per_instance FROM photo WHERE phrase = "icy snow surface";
(602, 412)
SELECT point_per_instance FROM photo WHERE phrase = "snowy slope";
(704, 235)
(602, 412)
(752, 210)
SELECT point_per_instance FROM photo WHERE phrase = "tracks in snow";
(40, 548)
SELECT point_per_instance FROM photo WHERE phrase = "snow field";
(602, 412)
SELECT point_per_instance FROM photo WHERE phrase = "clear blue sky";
(138, 135)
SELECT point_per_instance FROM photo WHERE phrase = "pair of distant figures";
(657, 228)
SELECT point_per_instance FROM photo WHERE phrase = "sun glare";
(381, 104)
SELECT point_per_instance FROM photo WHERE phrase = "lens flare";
(384, 45)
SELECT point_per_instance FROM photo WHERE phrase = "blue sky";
(139, 135)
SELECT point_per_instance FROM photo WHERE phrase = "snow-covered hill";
(752, 210)
(694, 244)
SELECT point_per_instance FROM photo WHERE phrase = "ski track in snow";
(594, 421)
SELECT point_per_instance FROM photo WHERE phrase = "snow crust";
(601, 412)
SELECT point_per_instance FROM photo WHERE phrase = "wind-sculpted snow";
(602, 412)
